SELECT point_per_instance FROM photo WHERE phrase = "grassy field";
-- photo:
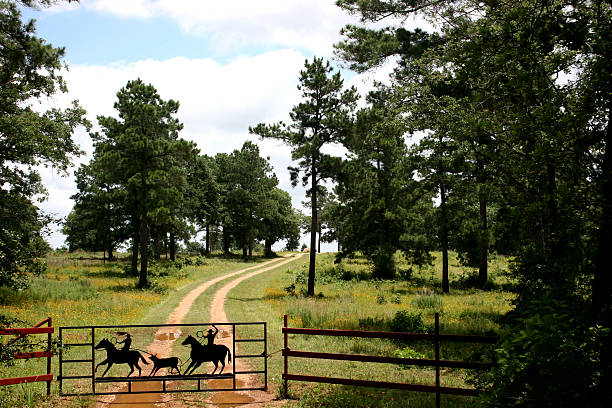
(347, 300)
(78, 290)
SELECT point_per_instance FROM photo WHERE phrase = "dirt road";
(165, 337)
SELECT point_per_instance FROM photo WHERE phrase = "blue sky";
(91, 37)
(230, 64)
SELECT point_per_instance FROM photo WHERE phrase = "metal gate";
(79, 358)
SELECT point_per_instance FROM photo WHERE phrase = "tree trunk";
(157, 245)
(483, 242)
(172, 246)
(207, 239)
(313, 229)
(602, 279)
(444, 239)
(144, 253)
(250, 248)
(319, 240)
(268, 248)
(244, 246)
(135, 246)
(225, 238)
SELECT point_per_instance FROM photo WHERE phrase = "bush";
(548, 356)
(404, 321)
(408, 352)
(384, 264)
(195, 248)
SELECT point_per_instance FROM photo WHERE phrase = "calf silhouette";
(158, 363)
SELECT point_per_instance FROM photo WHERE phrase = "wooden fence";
(48, 353)
(436, 338)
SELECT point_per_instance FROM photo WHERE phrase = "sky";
(230, 65)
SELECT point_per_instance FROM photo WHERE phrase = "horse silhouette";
(200, 353)
(114, 356)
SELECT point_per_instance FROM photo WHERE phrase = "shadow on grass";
(238, 257)
(108, 273)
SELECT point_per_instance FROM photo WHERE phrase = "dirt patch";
(165, 336)
(129, 400)
(230, 399)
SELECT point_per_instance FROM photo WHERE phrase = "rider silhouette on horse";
(210, 337)
(127, 342)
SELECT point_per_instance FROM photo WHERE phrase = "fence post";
(233, 351)
(49, 324)
(286, 357)
(437, 352)
(93, 361)
(265, 356)
(61, 357)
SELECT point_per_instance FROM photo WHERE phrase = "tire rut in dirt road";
(217, 314)
(163, 341)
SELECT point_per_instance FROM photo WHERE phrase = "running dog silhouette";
(200, 353)
(114, 356)
(158, 363)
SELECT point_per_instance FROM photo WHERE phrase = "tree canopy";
(29, 70)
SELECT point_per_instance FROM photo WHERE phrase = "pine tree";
(323, 117)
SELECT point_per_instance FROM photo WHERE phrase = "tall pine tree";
(323, 117)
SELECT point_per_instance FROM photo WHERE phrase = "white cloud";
(311, 25)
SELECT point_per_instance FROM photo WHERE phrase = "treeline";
(146, 185)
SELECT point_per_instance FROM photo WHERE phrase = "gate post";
(265, 357)
(93, 360)
(49, 324)
(286, 348)
(61, 357)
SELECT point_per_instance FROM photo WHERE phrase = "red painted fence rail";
(436, 338)
(48, 354)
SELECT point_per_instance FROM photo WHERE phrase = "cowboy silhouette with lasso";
(211, 336)
(127, 342)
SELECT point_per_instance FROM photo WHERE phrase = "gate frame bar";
(163, 379)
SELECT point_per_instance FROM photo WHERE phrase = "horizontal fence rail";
(436, 338)
(48, 353)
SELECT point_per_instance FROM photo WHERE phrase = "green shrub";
(548, 356)
(408, 352)
(404, 321)
(384, 264)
